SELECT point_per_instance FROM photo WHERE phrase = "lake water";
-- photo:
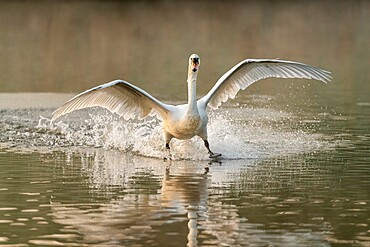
(295, 169)
(294, 175)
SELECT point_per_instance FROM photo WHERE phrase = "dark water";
(69, 46)
(296, 154)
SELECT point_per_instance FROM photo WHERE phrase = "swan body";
(187, 120)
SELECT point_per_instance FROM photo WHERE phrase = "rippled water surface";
(289, 177)
(295, 167)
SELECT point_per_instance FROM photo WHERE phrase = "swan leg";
(211, 154)
(168, 150)
(167, 138)
(206, 143)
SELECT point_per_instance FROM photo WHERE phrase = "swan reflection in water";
(153, 202)
(117, 199)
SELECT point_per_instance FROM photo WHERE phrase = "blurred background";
(70, 46)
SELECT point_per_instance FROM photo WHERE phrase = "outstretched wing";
(249, 71)
(118, 97)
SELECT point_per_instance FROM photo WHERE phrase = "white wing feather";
(249, 71)
(118, 97)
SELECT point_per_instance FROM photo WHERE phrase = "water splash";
(234, 132)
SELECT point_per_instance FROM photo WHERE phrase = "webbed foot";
(214, 155)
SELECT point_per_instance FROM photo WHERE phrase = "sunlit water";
(295, 169)
(289, 176)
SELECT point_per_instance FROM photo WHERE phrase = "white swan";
(188, 120)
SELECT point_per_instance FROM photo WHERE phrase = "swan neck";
(192, 92)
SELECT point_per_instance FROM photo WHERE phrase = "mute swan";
(187, 120)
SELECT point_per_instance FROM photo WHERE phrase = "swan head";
(194, 62)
